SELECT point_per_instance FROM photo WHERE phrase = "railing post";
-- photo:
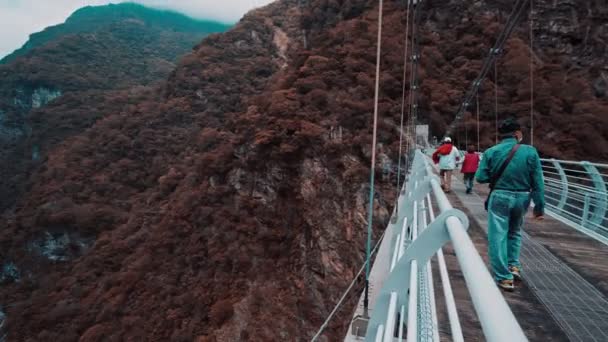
(585, 216)
(601, 203)
(564, 181)
(412, 316)
(392, 317)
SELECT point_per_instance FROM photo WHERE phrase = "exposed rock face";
(61, 245)
(9, 273)
(42, 96)
(232, 206)
(26, 98)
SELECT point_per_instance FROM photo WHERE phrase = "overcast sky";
(20, 18)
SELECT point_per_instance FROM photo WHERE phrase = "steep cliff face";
(96, 52)
(232, 204)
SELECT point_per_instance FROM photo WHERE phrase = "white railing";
(405, 299)
(576, 194)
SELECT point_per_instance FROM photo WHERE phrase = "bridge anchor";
(359, 326)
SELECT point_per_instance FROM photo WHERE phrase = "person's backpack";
(498, 174)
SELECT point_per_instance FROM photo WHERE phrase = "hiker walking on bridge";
(446, 156)
(469, 167)
(514, 173)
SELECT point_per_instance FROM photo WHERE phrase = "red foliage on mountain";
(232, 206)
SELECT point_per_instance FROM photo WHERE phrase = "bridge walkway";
(563, 296)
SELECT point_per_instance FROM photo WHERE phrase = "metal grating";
(578, 307)
(425, 314)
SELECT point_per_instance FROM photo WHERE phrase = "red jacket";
(442, 151)
(471, 162)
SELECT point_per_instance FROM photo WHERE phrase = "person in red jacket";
(469, 167)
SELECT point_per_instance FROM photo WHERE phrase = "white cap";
(447, 139)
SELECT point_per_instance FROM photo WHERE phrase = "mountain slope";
(89, 19)
(231, 206)
(101, 49)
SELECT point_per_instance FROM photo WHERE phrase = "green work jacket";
(524, 172)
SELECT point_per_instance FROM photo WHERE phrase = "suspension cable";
(531, 73)
(414, 89)
(339, 304)
(407, 28)
(370, 215)
(496, 101)
(466, 135)
(478, 147)
(413, 75)
(516, 13)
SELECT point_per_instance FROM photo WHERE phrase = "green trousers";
(506, 211)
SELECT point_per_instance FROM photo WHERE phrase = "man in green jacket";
(520, 182)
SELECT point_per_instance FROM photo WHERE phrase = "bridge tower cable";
(415, 83)
(532, 72)
(495, 101)
(478, 131)
(410, 130)
(405, 42)
(373, 162)
(466, 135)
(512, 21)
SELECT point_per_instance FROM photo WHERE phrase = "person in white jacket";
(447, 155)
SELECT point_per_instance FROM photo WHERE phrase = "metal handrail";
(569, 176)
(401, 287)
(579, 186)
(575, 171)
(580, 200)
(572, 185)
(573, 221)
(557, 191)
(575, 200)
(571, 206)
(573, 162)
(450, 303)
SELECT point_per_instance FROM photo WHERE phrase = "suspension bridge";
(417, 292)
(563, 258)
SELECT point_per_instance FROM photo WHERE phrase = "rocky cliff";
(231, 205)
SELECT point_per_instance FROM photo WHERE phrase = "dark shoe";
(506, 285)
(468, 191)
(516, 272)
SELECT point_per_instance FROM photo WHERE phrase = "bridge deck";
(564, 293)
